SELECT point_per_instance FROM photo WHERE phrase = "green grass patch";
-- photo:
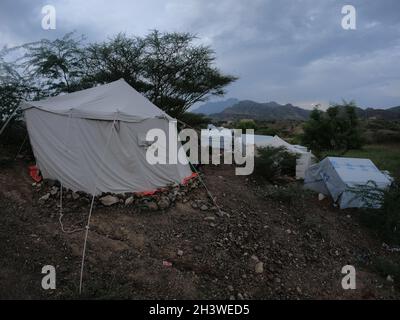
(385, 156)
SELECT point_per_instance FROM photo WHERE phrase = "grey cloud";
(288, 51)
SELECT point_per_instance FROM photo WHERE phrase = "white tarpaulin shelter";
(305, 159)
(94, 140)
(338, 177)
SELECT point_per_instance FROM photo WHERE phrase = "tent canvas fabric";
(113, 101)
(337, 177)
(93, 140)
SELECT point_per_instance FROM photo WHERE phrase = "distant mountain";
(395, 109)
(248, 109)
(216, 106)
(233, 109)
(385, 114)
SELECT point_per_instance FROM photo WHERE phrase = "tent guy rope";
(91, 208)
(61, 212)
(61, 215)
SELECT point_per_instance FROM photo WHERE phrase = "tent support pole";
(200, 178)
(8, 120)
(20, 147)
(207, 190)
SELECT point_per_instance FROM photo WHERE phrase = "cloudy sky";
(289, 51)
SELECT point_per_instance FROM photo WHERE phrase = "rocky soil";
(265, 242)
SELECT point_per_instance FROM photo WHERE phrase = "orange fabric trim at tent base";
(34, 173)
(185, 181)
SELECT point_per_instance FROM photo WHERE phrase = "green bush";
(385, 221)
(272, 163)
(246, 124)
(336, 129)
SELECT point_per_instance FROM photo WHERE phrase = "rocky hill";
(215, 107)
(385, 114)
(233, 109)
(248, 109)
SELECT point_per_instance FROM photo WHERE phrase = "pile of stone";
(49, 195)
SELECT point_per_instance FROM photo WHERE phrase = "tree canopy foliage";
(246, 124)
(336, 129)
(56, 66)
(195, 120)
(171, 69)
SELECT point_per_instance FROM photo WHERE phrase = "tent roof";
(340, 176)
(274, 141)
(357, 171)
(113, 101)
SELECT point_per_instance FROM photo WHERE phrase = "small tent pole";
(21, 146)
(198, 173)
(8, 120)
(207, 190)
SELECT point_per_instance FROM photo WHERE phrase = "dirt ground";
(302, 244)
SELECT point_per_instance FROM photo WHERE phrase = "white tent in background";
(306, 158)
(94, 140)
(217, 137)
(338, 177)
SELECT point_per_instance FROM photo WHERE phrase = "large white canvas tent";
(339, 177)
(94, 140)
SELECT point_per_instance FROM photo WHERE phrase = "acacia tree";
(120, 57)
(169, 68)
(180, 73)
(38, 69)
(172, 71)
(13, 87)
(56, 66)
